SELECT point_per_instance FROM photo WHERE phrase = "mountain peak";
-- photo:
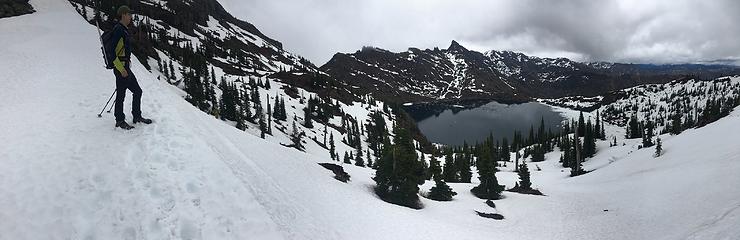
(373, 49)
(455, 46)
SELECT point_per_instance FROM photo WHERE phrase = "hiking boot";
(123, 125)
(142, 120)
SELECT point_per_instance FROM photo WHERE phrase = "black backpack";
(108, 48)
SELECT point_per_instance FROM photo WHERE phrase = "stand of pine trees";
(538, 153)
(680, 106)
(377, 132)
(457, 165)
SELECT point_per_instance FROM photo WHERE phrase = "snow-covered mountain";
(66, 174)
(458, 73)
(180, 29)
(421, 75)
(670, 107)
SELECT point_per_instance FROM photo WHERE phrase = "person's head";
(124, 15)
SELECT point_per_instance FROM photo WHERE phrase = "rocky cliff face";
(197, 33)
(456, 73)
(11, 8)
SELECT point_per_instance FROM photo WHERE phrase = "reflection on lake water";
(452, 125)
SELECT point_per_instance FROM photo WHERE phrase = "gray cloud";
(660, 31)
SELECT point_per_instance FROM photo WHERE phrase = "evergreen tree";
(505, 150)
(568, 155)
(159, 67)
(263, 126)
(658, 147)
(276, 111)
(296, 137)
(332, 148)
(541, 132)
(603, 132)
(240, 124)
(358, 158)
(283, 114)
(581, 125)
(269, 117)
(228, 103)
(488, 187)
(247, 106)
(441, 192)
(647, 138)
(463, 167)
(538, 153)
(376, 131)
(524, 182)
(589, 141)
(633, 128)
(347, 158)
(646, 141)
(213, 76)
(172, 70)
(531, 139)
(675, 127)
(577, 164)
(257, 100)
(325, 133)
(435, 170)
(399, 172)
(597, 130)
(450, 173)
(307, 118)
(369, 158)
(424, 167)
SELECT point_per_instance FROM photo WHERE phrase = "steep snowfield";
(66, 174)
(690, 192)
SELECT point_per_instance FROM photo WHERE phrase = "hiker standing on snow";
(125, 79)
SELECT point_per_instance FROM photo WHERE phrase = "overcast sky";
(643, 31)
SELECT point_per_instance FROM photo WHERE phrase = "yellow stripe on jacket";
(120, 52)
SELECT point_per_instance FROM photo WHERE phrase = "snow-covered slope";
(689, 192)
(66, 174)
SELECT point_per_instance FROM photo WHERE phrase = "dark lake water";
(453, 125)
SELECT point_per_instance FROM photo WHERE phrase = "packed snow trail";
(68, 174)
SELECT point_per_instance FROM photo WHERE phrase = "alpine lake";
(455, 124)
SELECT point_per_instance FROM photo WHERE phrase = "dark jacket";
(121, 47)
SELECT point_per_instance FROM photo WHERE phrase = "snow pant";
(130, 83)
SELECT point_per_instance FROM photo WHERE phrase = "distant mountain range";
(456, 73)
(200, 35)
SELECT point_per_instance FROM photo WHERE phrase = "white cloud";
(658, 31)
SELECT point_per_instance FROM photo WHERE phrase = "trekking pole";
(106, 104)
(111, 107)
